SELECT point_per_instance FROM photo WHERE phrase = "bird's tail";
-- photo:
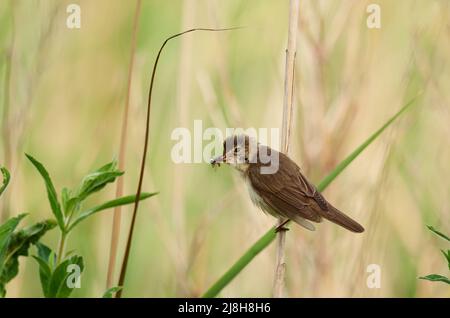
(336, 216)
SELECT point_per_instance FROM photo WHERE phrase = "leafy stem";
(69, 213)
(61, 246)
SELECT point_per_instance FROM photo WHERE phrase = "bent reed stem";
(144, 153)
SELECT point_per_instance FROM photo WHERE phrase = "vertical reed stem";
(294, 5)
(115, 233)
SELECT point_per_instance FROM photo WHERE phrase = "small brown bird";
(277, 186)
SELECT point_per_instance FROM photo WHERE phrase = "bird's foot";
(281, 227)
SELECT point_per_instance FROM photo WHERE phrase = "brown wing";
(290, 194)
(286, 191)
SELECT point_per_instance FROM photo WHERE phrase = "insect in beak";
(217, 160)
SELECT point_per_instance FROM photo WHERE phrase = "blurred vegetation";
(62, 93)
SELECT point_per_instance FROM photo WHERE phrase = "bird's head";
(239, 152)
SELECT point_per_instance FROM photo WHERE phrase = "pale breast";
(257, 200)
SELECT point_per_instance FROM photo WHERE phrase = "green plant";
(54, 268)
(110, 291)
(6, 178)
(16, 243)
(270, 235)
(437, 277)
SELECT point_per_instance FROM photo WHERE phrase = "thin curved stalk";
(144, 153)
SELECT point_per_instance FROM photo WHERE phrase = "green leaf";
(243, 261)
(109, 293)
(6, 179)
(270, 235)
(6, 231)
(110, 166)
(436, 278)
(44, 275)
(55, 282)
(21, 240)
(447, 257)
(344, 163)
(51, 192)
(46, 259)
(97, 180)
(110, 204)
(438, 233)
(59, 282)
(45, 252)
(69, 253)
(52, 260)
(67, 201)
(19, 244)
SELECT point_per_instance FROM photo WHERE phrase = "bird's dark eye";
(236, 150)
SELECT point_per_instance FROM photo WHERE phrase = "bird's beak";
(217, 160)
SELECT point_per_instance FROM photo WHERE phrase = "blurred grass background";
(62, 97)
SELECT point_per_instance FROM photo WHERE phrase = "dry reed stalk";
(294, 6)
(115, 233)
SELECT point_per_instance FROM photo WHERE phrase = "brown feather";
(288, 193)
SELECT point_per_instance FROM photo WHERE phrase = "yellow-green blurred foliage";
(62, 98)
